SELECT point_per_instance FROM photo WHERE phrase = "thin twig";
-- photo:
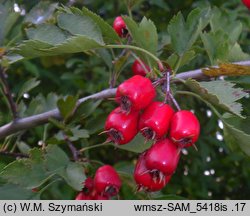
(72, 148)
(7, 93)
(12, 154)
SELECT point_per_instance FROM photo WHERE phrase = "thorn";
(147, 171)
(111, 99)
(195, 147)
(139, 188)
(103, 132)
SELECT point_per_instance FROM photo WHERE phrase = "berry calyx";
(184, 128)
(163, 157)
(146, 179)
(121, 127)
(155, 120)
(107, 182)
(135, 93)
(246, 3)
(140, 68)
(120, 27)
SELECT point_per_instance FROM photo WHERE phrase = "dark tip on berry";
(185, 141)
(111, 190)
(126, 104)
(124, 32)
(148, 133)
(115, 135)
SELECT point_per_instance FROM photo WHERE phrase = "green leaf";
(219, 93)
(28, 173)
(15, 192)
(32, 48)
(47, 33)
(78, 133)
(80, 25)
(74, 175)
(87, 108)
(237, 134)
(184, 33)
(108, 33)
(144, 35)
(40, 12)
(67, 106)
(217, 45)
(73, 134)
(7, 19)
(55, 159)
(23, 147)
(224, 20)
(27, 86)
(137, 145)
(236, 54)
(186, 58)
(73, 45)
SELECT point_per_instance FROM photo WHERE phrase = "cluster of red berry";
(171, 131)
(105, 185)
(139, 112)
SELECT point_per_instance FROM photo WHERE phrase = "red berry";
(163, 157)
(146, 179)
(88, 185)
(140, 68)
(135, 93)
(120, 27)
(155, 120)
(100, 197)
(82, 196)
(184, 128)
(107, 181)
(97, 196)
(121, 127)
(246, 3)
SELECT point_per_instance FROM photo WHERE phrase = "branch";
(39, 119)
(35, 120)
(72, 148)
(12, 154)
(7, 93)
(198, 74)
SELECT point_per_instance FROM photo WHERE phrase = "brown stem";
(72, 148)
(12, 154)
(7, 93)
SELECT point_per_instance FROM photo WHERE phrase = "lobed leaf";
(184, 33)
(219, 93)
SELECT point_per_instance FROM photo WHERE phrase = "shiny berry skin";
(136, 93)
(163, 157)
(140, 69)
(120, 27)
(107, 182)
(246, 3)
(184, 128)
(82, 196)
(146, 179)
(121, 127)
(155, 120)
